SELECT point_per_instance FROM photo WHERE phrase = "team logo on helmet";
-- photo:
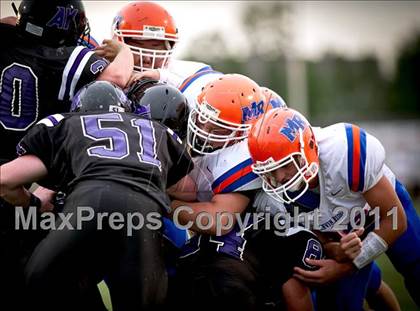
(291, 129)
(63, 18)
(253, 111)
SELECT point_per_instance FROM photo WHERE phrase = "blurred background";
(347, 61)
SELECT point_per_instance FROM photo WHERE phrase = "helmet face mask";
(293, 188)
(207, 133)
(150, 32)
(148, 53)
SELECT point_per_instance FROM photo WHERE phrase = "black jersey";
(252, 264)
(268, 250)
(120, 147)
(37, 81)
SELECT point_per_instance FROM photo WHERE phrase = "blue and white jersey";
(351, 162)
(224, 171)
(189, 77)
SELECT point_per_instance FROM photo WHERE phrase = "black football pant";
(69, 262)
(16, 246)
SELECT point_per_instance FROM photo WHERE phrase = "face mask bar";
(154, 55)
(281, 192)
(200, 140)
(148, 35)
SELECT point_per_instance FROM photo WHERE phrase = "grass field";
(389, 275)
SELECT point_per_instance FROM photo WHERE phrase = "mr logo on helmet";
(292, 127)
(253, 111)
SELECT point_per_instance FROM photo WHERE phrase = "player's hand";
(46, 196)
(329, 271)
(148, 74)
(184, 190)
(109, 49)
(333, 250)
(351, 243)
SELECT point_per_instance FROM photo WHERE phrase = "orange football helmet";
(144, 20)
(284, 137)
(273, 99)
(224, 112)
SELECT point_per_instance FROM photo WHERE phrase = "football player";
(110, 161)
(151, 33)
(336, 169)
(230, 268)
(41, 69)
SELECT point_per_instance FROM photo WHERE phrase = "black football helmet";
(100, 96)
(53, 22)
(160, 102)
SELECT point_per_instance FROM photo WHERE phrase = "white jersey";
(351, 162)
(189, 77)
(224, 171)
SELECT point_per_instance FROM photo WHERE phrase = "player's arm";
(17, 173)
(163, 75)
(10, 20)
(222, 207)
(383, 197)
(183, 190)
(297, 296)
(120, 69)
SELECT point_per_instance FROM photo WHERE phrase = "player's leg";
(347, 294)
(296, 296)
(138, 279)
(379, 295)
(67, 263)
(405, 252)
(16, 245)
(11, 268)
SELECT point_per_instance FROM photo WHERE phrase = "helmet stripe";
(356, 157)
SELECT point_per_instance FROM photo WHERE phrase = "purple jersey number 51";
(118, 140)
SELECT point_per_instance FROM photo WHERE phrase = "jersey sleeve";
(232, 171)
(42, 141)
(365, 159)
(82, 67)
(182, 163)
